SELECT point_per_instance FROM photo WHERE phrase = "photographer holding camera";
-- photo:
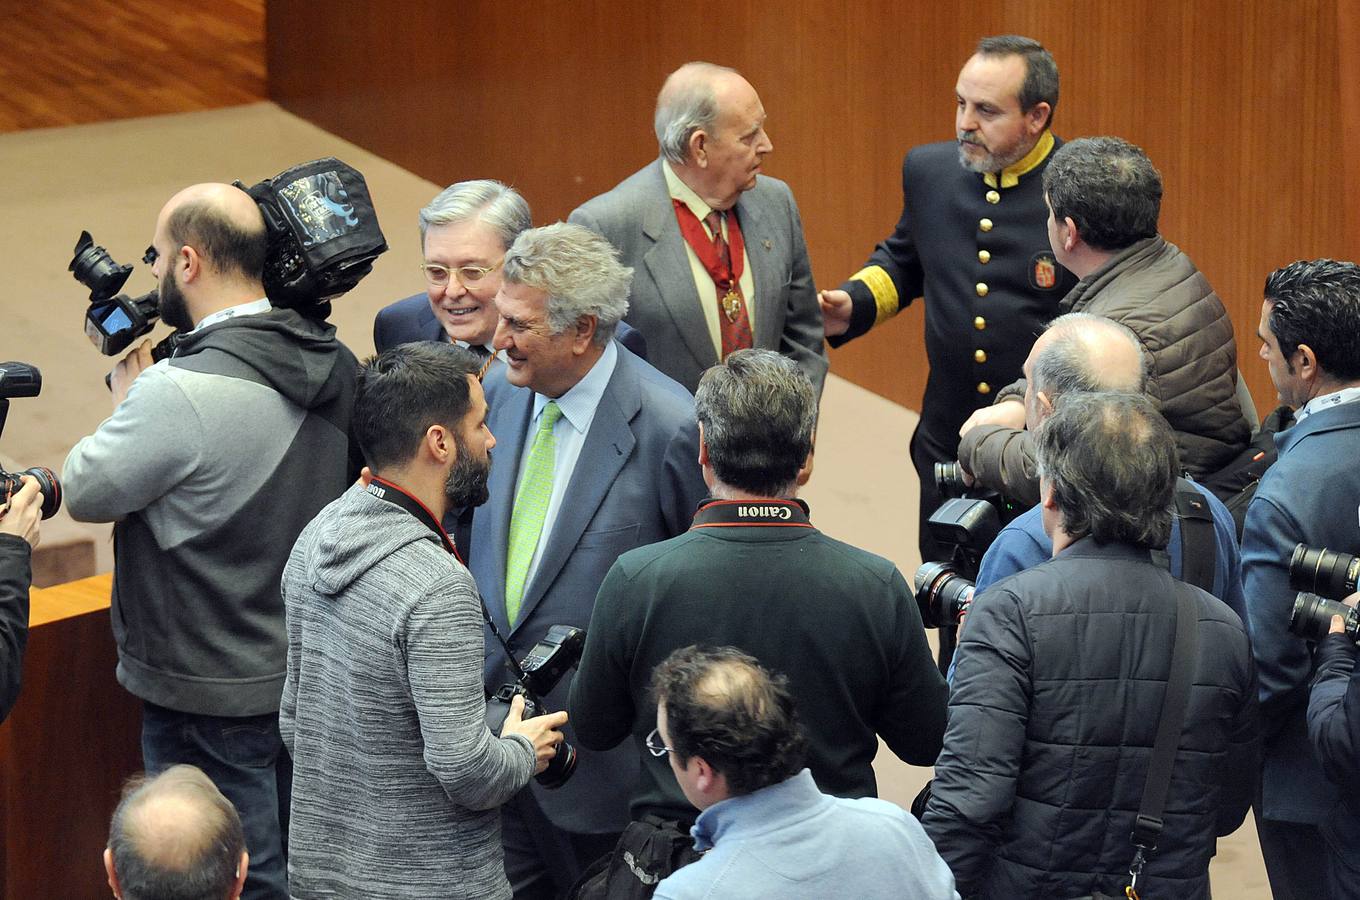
(1310, 334)
(1334, 730)
(398, 781)
(19, 517)
(210, 465)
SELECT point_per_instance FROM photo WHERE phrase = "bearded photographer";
(210, 465)
(19, 518)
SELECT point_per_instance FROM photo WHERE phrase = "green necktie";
(531, 507)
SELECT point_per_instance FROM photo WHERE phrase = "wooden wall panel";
(1239, 104)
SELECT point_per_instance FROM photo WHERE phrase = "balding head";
(222, 224)
(175, 835)
(1082, 352)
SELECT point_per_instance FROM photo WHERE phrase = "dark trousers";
(246, 759)
(927, 448)
(541, 860)
(1296, 859)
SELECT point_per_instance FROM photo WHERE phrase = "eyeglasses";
(654, 745)
(468, 276)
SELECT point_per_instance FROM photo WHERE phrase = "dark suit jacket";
(637, 217)
(637, 481)
(412, 319)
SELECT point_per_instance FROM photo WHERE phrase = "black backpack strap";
(1199, 549)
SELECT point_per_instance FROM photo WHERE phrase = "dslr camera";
(944, 589)
(323, 237)
(535, 675)
(1322, 577)
(22, 380)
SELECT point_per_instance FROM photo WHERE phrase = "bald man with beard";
(210, 465)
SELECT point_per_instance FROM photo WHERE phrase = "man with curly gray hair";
(598, 453)
(718, 246)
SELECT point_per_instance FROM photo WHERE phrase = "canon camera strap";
(728, 513)
(398, 496)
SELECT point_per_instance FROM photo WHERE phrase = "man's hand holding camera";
(127, 370)
(22, 513)
(543, 731)
(1338, 625)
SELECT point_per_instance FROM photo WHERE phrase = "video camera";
(535, 675)
(22, 380)
(323, 237)
(1322, 577)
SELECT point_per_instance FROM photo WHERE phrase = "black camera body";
(1322, 577)
(537, 674)
(944, 588)
(22, 380)
(113, 320)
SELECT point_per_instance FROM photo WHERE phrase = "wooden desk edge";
(66, 601)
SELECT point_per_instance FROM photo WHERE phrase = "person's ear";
(1045, 404)
(189, 260)
(113, 876)
(584, 335)
(1037, 117)
(1070, 234)
(703, 447)
(698, 148)
(439, 444)
(1305, 363)
(241, 869)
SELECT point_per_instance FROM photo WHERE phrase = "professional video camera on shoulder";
(1322, 577)
(535, 675)
(323, 237)
(22, 380)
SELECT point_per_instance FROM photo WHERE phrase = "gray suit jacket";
(637, 217)
(636, 482)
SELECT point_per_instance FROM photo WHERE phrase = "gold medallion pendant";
(731, 305)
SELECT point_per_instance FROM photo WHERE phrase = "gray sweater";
(396, 778)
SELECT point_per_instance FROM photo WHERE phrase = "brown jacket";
(1155, 290)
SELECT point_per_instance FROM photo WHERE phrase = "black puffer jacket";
(1155, 290)
(1060, 675)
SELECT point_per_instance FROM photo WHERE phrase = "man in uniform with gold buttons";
(972, 240)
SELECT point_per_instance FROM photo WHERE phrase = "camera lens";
(1312, 617)
(48, 486)
(94, 268)
(942, 594)
(560, 767)
(949, 479)
(1322, 571)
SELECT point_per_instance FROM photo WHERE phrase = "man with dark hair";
(210, 466)
(175, 837)
(1059, 681)
(717, 247)
(1082, 353)
(398, 780)
(600, 456)
(729, 730)
(1104, 196)
(754, 573)
(1310, 340)
(970, 239)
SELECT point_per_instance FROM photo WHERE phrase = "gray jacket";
(396, 777)
(1155, 290)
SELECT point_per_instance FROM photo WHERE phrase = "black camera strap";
(399, 496)
(728, 513)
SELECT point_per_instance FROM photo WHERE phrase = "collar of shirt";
(762, 810)
(685, 194)
(1010, 176)
(1327, 401)
(490, 350)
(253, 308)
(578, 404)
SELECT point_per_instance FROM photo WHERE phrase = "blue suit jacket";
(636, 482)
(1310, 495)
(412, 319)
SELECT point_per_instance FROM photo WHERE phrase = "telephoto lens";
(949, 479)
(1312, 617)
(942, 594)
(48, 484)
(1318, 570)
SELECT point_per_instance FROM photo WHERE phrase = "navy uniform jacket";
(979, 253)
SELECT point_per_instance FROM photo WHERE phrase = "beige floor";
(112, 179)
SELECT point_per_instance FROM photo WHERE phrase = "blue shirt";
(791, 841)
(1023, 543)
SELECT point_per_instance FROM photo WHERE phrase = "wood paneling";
(67, 62)
(1239, 104)
(66, 749)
